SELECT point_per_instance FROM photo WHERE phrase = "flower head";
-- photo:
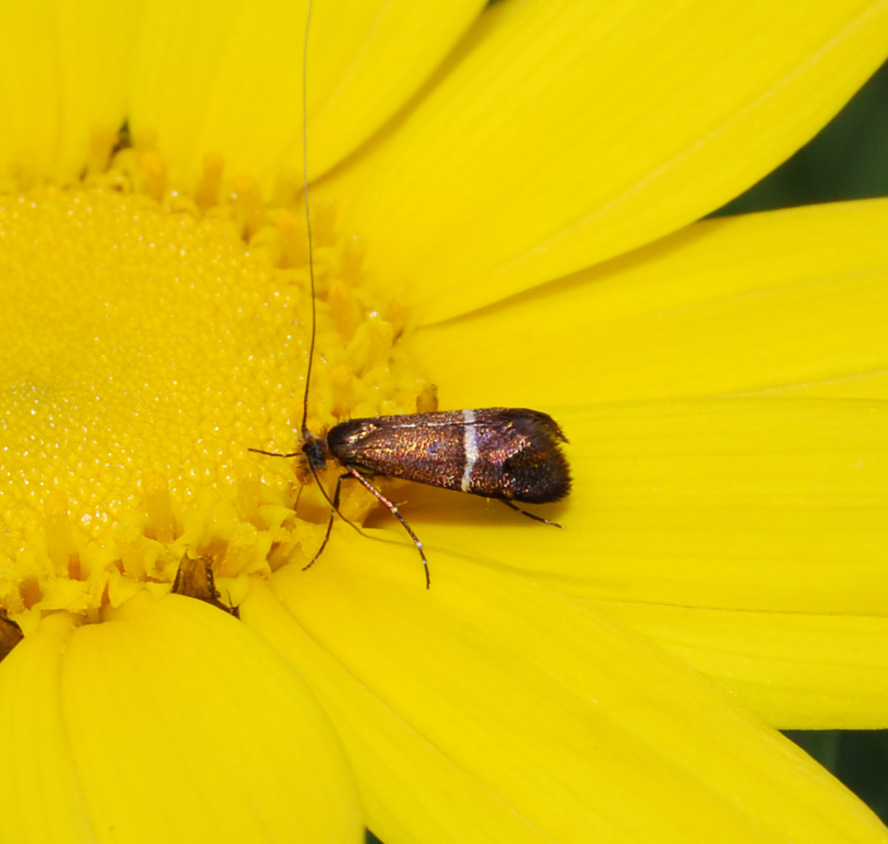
(501, 209)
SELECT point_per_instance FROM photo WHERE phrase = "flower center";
(148, 345)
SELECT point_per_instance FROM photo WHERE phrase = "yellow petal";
(179, 726)
(488, 709)
(572, 132)
(60, 80)
(366, 59)
(785, 301)
(237, 74)
(797, 670)
(41, 798)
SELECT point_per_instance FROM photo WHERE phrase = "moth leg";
(533, 516)
(333, 512)
(393, 509)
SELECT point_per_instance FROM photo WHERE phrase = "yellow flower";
(504, 208)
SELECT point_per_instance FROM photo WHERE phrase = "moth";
(510, 454)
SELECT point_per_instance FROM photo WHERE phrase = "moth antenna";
(306, 434)
(274, 453)
(317, 479)
(311, 347)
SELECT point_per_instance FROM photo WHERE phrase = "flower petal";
(232, 82)
(797, 670)
(181, 727)
(488, 709)
(572, 132)
(41, 798)
(60, 79)
(778, 503)
(791, 301)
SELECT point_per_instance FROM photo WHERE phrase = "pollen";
(151, 338)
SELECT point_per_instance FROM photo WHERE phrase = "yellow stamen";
(210, 185)
(152, 338)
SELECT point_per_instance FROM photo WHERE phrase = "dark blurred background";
(847, 160)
